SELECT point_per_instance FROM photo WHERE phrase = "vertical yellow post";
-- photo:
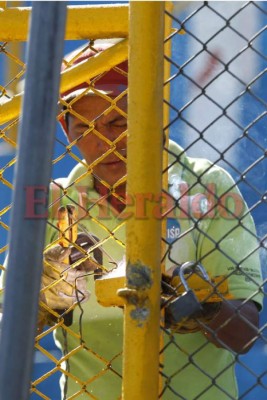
(144, 170)
(12, 68)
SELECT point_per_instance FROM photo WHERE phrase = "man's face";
(108, 135)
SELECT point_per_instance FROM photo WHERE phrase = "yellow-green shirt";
(193, 368)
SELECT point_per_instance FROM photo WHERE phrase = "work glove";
(62, 285)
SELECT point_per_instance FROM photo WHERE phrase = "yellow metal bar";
(83, 22)
(94, 66)
(74, 76)
(144, 167)
(12, 69)
(10, 109)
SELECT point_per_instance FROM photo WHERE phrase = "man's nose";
(105, 136)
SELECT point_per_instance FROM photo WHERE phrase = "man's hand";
(230, 324)
(61, 285)
(195, 322)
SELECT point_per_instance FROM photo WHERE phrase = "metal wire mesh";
(205, 117)
(94, 215)
(222, 71)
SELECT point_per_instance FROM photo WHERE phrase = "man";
(217, 232)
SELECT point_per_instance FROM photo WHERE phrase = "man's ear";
(64, 126)
(63, 119)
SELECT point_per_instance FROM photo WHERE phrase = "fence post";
(144, 172)
(28, 220)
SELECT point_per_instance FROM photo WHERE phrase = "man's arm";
(235, 326)
(230, 247)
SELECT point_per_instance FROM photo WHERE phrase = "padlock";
(189, 266)
(186, 305)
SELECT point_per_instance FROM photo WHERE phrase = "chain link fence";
(9, 59)
(217, 109)
(219, 114)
